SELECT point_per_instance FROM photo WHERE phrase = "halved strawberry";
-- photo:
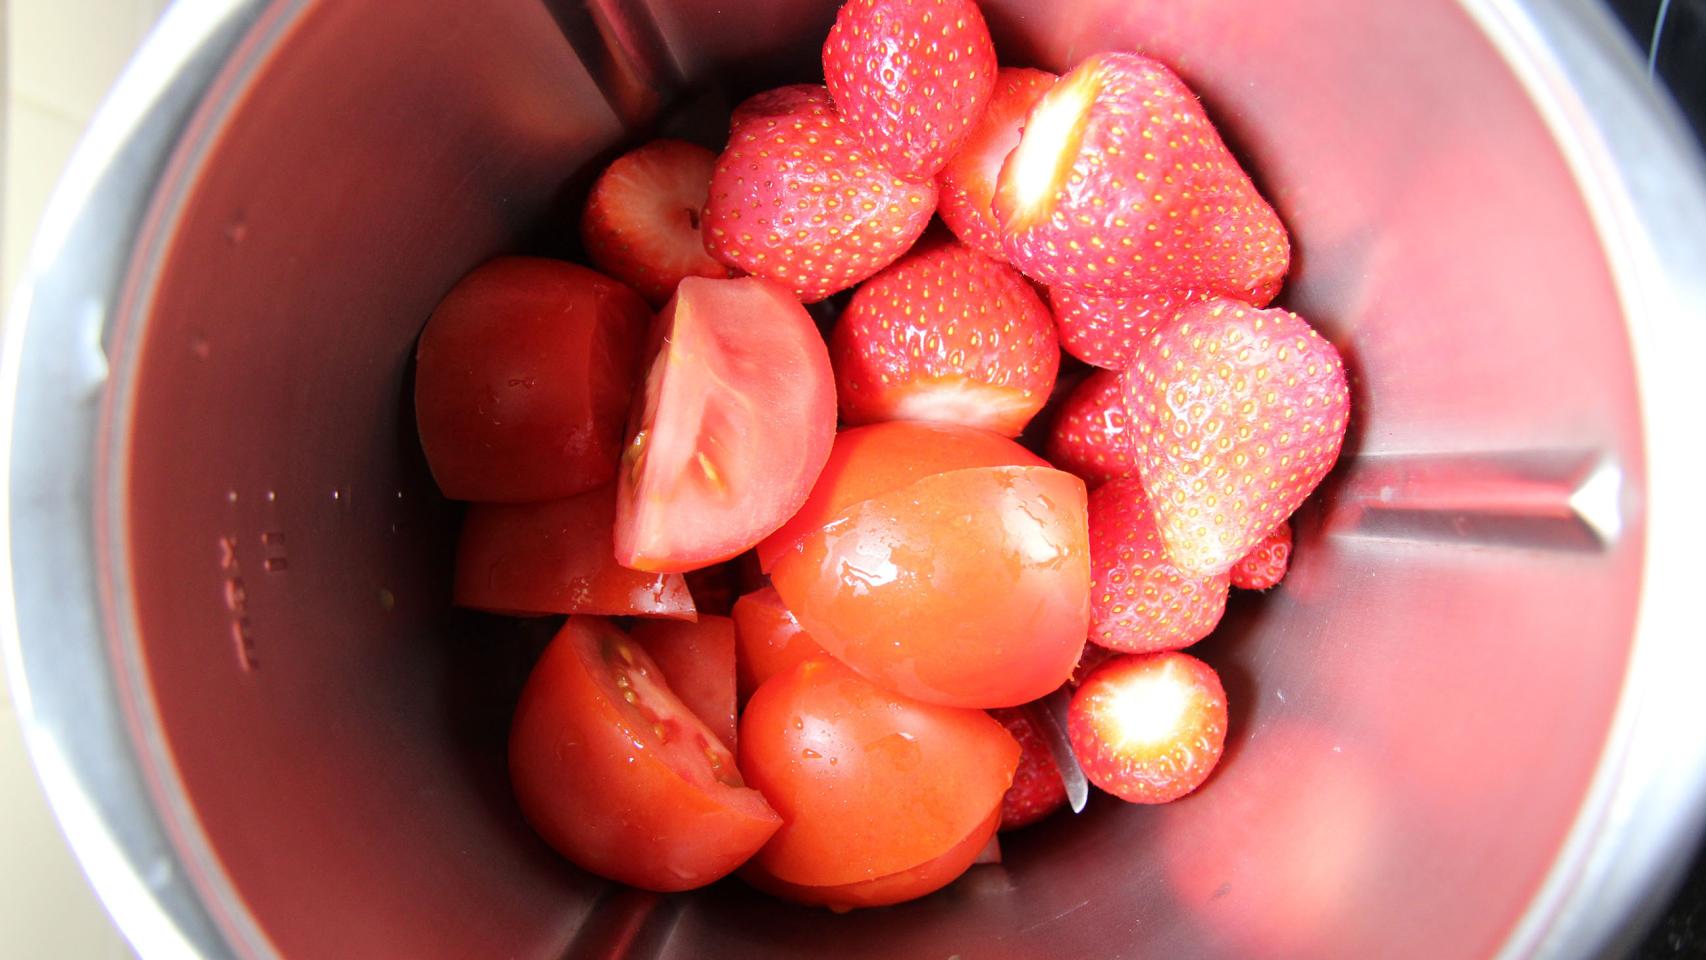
(808, 98)
(1037, 790)
(641, 223)
(1139, 601)
(1108, 331)
(945, 335)
(967, 183)
(1149, 728)
(912, 77)
(1088, 437)
(1121, 187)
(796, 198)
(1265, 566)
(1236, 415)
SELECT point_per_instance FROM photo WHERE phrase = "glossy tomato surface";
(557, 556)
(617, 775)
(522, 380)
(868, 783)
(698, 663)
(768, 639)
(868, 461)
(969, 588)
(731, 430)
(927, 877)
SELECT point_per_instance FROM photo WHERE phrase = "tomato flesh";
(868, 784)
(557, 556)
(698, 663)
(969, 588)
(522, 380)
(616, 774)
(733, 425)
(769, 640)
(869, 461)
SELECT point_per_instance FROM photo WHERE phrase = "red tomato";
(768, 640)
(927, 877)
(522, 379)
(734, 424)
(529, 559)
(868, 461)
(619, 776)
(698, 663)
(969, 588)
(868, 783)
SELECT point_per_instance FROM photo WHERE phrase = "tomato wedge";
(530, 559)
(969, 588)
(868, 783)
(698, 663)
(872, 460)
(927, 877)
(768, 640)
(733, 426)
(523, 377)
(617, 775)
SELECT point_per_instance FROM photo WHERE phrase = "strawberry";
(967, 183)
(641, 223)
(1037, 789)
(1120, 187)
(1236, 415)
(911, 77)
(1088, 437)
(1149, 728)
(1265, 566)
(808, 98)
(946, 335)
(1108, 331)
(1139, 602)
(797, 199)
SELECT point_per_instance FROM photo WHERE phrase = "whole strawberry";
(967, 183)
(1108, 331)
(947, 335)
(1037, 789)
(1088, 437)
(1139, 601)
(808, 98)
(1236, 415)
(1120, 187)
(1265, 566)
(912, 77)
(641, 223)
(796, 198)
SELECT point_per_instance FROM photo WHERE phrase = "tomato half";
(522, 380)
(969, 588)
(768, 640)
(867, 783)
(733, 426)
(698, 663)
(618, 775)
(927, 877)
(872, 460)
(557, 556)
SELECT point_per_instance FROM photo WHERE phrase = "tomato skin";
(927, 877)
(869, 461)
(557, 556)
(522, 380)
(969, 588)
(769, 640)
(868, 784)
(603, 789)
(731, 429)
(698, 663)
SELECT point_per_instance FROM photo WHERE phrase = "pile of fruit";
(915, 591)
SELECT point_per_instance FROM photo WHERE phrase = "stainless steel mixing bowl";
(1469, 723)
